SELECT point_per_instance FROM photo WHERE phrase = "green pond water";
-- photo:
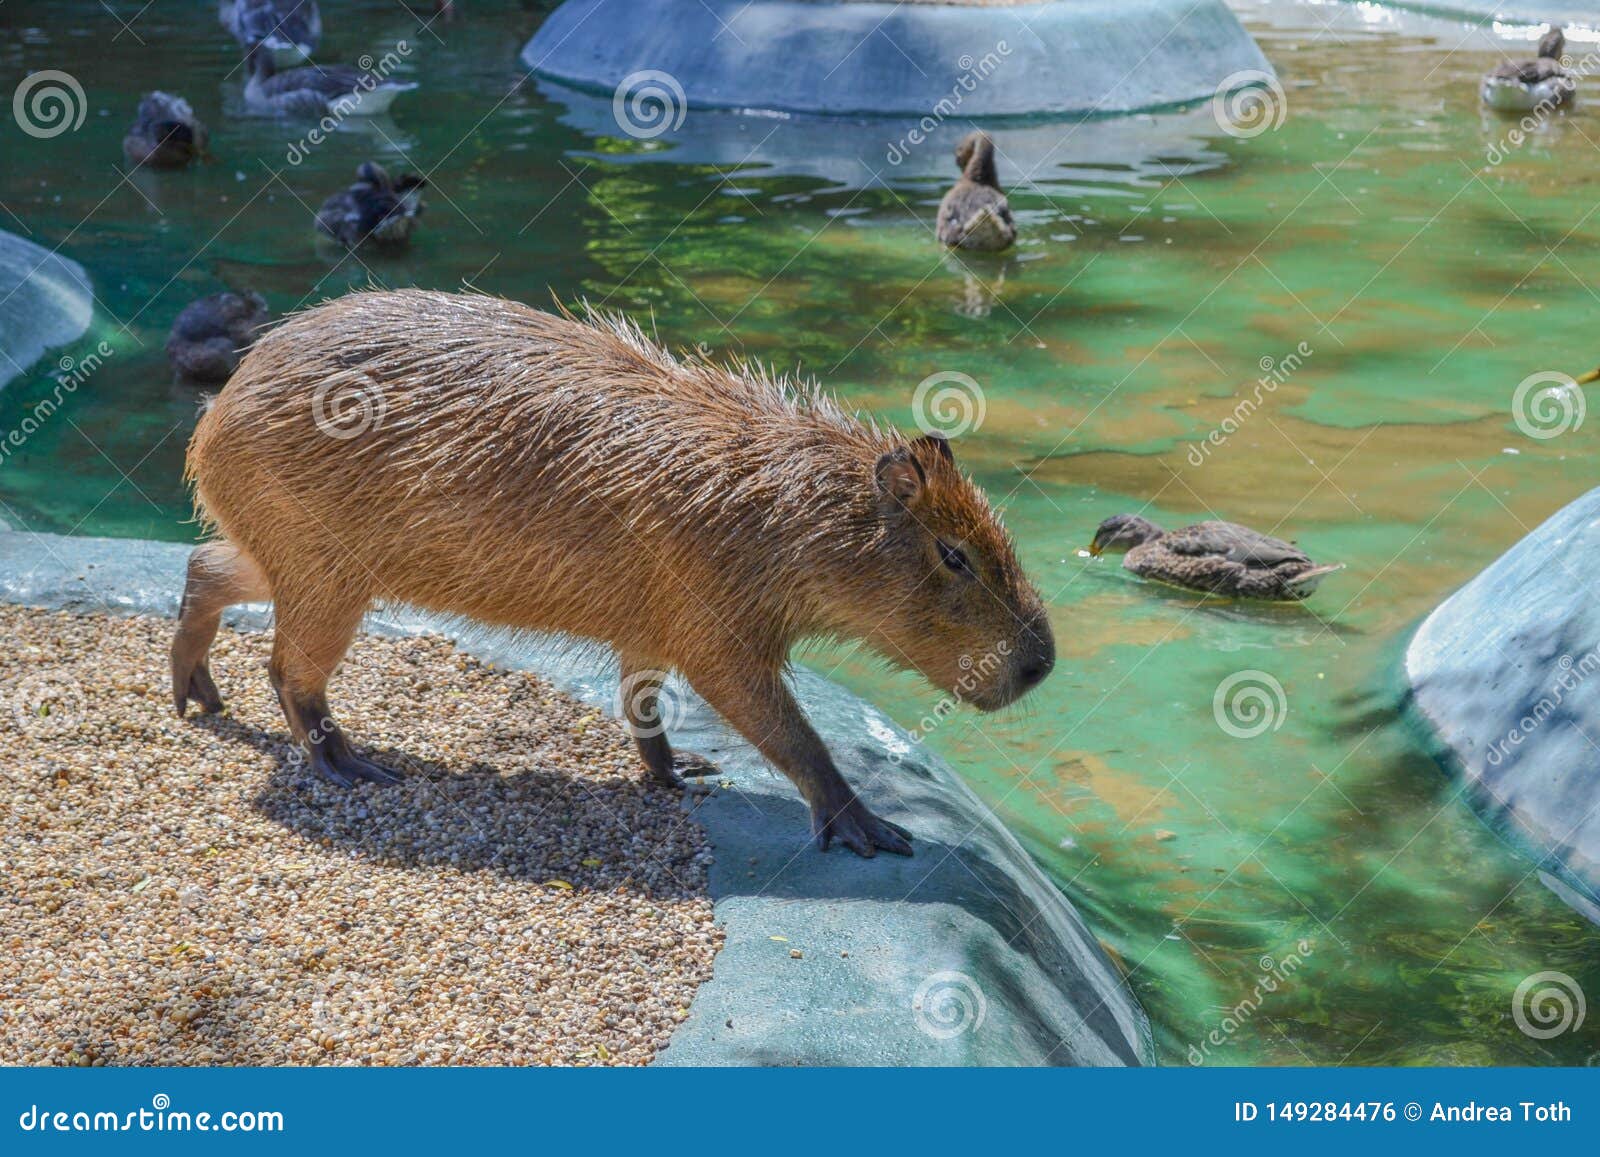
(1327, 861)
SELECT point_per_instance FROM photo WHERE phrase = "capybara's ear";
(900, 477)
(937, 444)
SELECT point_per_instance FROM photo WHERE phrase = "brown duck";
(974, 213)
(1218, 557)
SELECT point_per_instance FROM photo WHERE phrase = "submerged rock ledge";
(965, 954)
(1506, 676)
(45, 302)
(917, 60)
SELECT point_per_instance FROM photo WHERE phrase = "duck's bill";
(1585, 379)
(1095, 549)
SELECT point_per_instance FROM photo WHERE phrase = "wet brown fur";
(534, 471)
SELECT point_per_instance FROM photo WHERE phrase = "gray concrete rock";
(963, 954)
(45, 301)
(1506, 676)
(916, 60)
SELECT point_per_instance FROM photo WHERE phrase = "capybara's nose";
(1034, 671)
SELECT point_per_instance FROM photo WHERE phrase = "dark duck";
(210, 335)
(1221, 558)
(974, 213)
(375, 209)
(165, 133)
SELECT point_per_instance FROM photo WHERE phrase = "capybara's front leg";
(641, 713)
(311, 636)
(765, 713)
(220, 575)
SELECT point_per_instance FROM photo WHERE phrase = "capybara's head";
(951, 599)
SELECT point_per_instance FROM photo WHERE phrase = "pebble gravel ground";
(186, 892)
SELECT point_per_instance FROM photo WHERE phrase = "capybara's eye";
(955, 558)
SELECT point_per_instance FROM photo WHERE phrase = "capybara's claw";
(857, 828)
(687, 767)
(346, 768)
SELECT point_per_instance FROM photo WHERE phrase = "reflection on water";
(1162, 266)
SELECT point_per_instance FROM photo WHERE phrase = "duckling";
(1219, 557)
(974, 213)
(316, 90)
(1524, 86)
(210, 334)
(287, 29)
(375, 209)
(165, 133)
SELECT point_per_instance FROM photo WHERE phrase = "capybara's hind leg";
(310, 639)
(220, 575)
(641, 712)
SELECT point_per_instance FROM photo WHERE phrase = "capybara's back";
(476, 457)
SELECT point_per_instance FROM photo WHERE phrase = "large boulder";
(1506, 675)
(922, 60)
(45, 301)
(965, 954)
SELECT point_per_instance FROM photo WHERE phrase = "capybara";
(476, 457)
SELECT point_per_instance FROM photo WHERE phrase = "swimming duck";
(1219, 557)
(974, 213)
(287, 29)
(210, 334)
(1524, 86)
(375, 209)
(165, 134)
(317, 90)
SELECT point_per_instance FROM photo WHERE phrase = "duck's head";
(1553, 43)
(1123, 532)
(975, 155)
(372, 173)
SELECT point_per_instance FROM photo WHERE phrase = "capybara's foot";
(336, 763)
(197, 685)
(857, 828)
